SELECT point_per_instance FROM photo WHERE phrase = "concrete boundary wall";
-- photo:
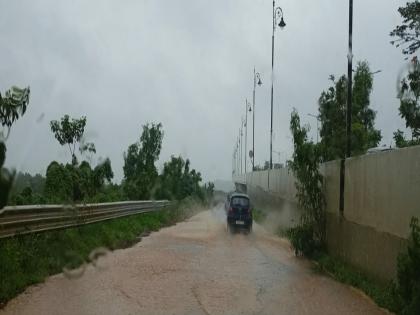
(382, 194)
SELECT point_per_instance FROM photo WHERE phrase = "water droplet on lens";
(75, 266)
(97, 257)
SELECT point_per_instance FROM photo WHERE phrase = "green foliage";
(102, 174)
(24, 180)
(29, 259)
(140, 173)
(72, 183)
(6, 177)
(332, 114)
(12, 106)
(407, 34)
(302, 239)
(409, 106)
(209, 190)
(310, 234)
(88, 147)
(408, 273)
(27, 197)
(58, 183)
(177, 181)
(402, 142)
(70, 132)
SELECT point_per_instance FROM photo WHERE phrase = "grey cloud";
(187, 64)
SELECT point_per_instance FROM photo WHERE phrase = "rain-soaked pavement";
(196, 267)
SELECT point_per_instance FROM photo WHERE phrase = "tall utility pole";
(246, 129)
(277, 13)
(233, 162)
(350, 80)
(240, 145)
(238, 164)
(272, 88)
(256, 76)
(349, 107)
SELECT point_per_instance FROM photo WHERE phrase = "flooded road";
(196, 267)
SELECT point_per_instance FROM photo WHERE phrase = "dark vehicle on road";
(238, 212)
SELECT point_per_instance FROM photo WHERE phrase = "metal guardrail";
(30, 219)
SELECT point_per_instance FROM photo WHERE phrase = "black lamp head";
(282, 24)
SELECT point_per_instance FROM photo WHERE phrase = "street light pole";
(238, 164)
(277, 13)
(256, 76)
(240, 148)
(233, 162)
(246, 129)
(350, 80)
(349, 107)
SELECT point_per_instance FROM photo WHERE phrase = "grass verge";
(382, 294)
(29, 259)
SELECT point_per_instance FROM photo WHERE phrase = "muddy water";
(196, 267)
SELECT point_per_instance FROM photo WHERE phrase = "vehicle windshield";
(240, 201)
(173, 157)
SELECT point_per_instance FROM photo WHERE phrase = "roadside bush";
(408, 273)
(302, 240)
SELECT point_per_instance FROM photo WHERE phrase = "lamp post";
(349, 107)
(257, 76)
(350, 80)
(234, 160)
(240, 150)
(247, 108)
(277, 14)
(237, 156)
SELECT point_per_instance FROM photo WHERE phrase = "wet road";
(196, 267)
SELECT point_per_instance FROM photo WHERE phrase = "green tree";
(70, 132)
(140, 173)
(73, 183)
(209, 190)
(22, 180)
(102, 174)
(407, 34)
(409, 106)
(58, 183)
(177, 181)
(332, 113)
(310, 234)
(13, 105)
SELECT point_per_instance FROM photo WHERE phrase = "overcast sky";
(186, 64)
